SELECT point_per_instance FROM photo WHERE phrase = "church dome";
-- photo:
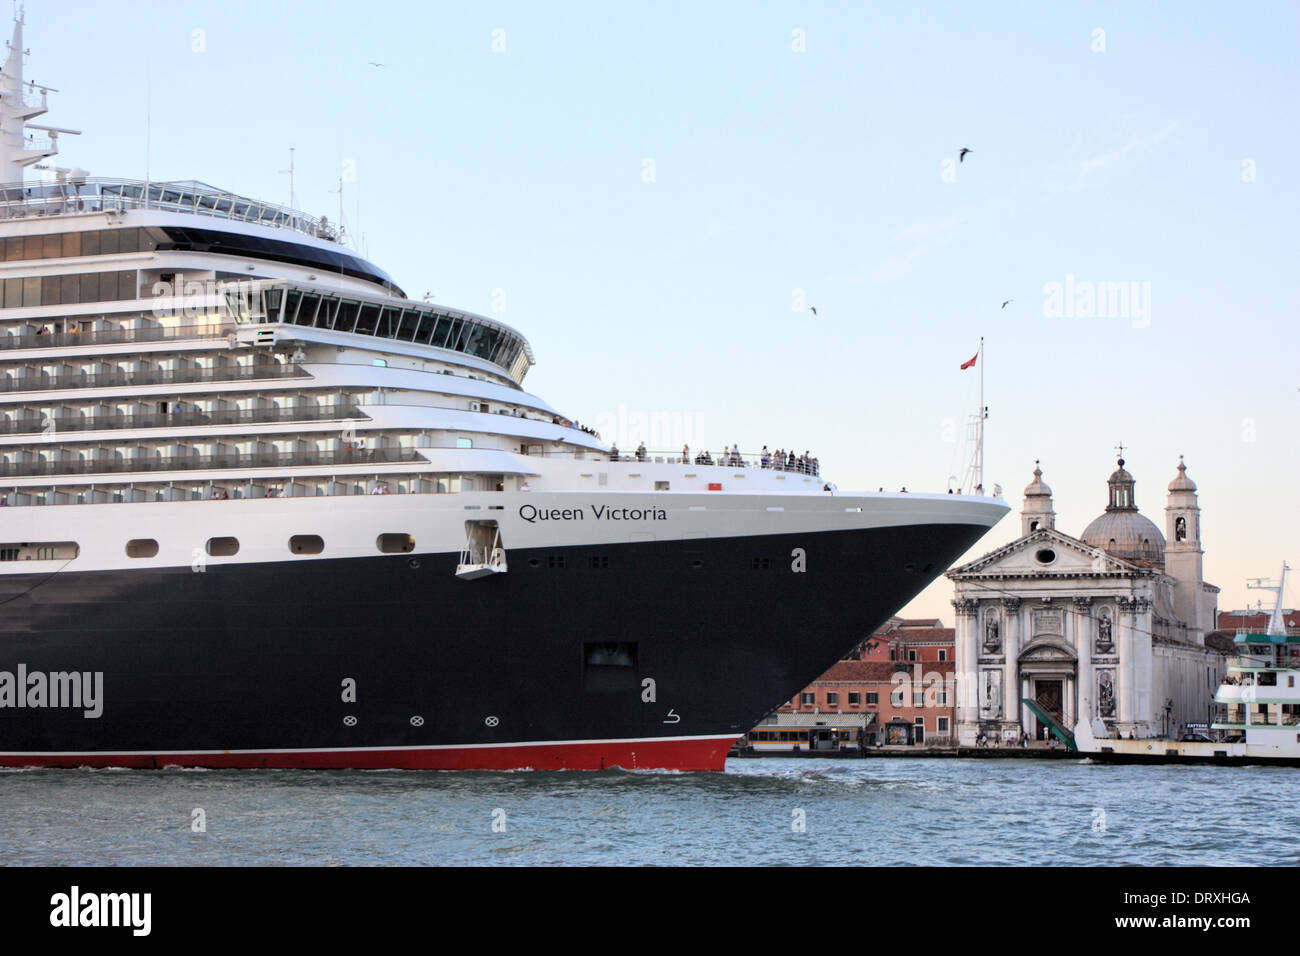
(1037, 488)
(1122, 530)
(1182, 482)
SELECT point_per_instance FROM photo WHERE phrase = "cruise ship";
(260, 508)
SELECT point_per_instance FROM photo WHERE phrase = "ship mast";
(19, 105)
(1276, 621)
(975, 471)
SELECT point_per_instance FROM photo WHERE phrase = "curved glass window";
(478, 337)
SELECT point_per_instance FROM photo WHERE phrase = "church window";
(1033, 526)
(1045, 556)
(1180, 528)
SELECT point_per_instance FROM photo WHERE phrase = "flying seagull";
(961, 155)
(380, 65)
(812, 309)
(1007, 303)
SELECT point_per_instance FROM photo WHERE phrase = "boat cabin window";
(395, 543)
(142, 548)
(306, 544)
(39, 551)
(223, 547)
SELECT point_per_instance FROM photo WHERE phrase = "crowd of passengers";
(779, 460)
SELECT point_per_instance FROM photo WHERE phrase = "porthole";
(223, 547)
(142, 548)
(1045, 556)
(395, 543)
(306, 544)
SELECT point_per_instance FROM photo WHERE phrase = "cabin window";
(464, 443)
(306, 544)
(223, 547)
(142, 548)
(395, 543)
(39, 551)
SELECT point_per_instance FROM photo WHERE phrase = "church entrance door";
(1049, 695)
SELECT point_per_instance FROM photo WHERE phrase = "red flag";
(971, 362)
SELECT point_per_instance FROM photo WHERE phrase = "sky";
(654, 194)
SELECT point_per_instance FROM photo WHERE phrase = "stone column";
(1125, 710)
(1013, 710)
(1085, 632)
(1147, 711)
(966, 667)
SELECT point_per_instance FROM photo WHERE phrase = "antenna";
(293, 199)
(343, 232)
(148, 127)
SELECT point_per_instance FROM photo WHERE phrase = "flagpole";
(980, 480)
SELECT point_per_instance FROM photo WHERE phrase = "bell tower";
(1037, 513)
(1184, 558)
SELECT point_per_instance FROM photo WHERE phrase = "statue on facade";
(992, 639)
(1105, 644)
(991, 699)
(1105, 694)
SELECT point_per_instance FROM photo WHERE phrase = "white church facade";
(1110, 624)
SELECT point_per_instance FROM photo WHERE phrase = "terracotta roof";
(879, 672)
(1235, 619)
(921, 635)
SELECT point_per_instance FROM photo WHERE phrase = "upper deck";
(97, 195)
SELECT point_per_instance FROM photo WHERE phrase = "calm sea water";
(870, 812)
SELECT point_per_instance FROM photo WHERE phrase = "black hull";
(1200, 761)
(252, 658)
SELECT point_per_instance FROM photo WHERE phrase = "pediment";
(1047, 650)
(1043, 553)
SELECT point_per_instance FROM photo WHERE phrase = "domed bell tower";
(1184, 558)
(1037, 513)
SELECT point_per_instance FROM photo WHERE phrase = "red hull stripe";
(681, 753)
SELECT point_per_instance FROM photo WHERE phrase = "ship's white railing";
(704, 459)
(24, 200)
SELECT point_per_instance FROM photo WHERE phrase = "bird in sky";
(812, 309)
(961, 155)
(1007, 303)
(380, 65)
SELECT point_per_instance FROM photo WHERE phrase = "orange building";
(896, 687)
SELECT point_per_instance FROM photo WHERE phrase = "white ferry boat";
(260, 508)
(1257, 708)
